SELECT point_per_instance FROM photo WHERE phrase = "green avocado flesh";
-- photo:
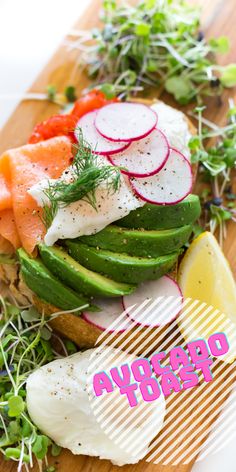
(121, 267)
(144, 246)
(78, 277)
(139, 243)
(164, 216)
(39, 279)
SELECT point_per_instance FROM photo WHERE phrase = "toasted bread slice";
(68, 325)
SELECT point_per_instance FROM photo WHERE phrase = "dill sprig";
(154, 43)
(85, 178)
(26, 343)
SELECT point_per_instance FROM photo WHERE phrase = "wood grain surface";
(218, 17)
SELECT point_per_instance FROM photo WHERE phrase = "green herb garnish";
(62, 99)
(26, 343)
(217, 162)
(155, 44)
(70, 94)
(51, 93)
(86, 176)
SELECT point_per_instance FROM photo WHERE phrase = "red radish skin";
(98, 144)
(111, 309)
(163, 285)
(125, 121)
(145, 157)
(153, 189)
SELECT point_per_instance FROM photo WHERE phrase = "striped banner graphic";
(177, 428)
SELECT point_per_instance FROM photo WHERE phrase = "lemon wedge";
(205, 275)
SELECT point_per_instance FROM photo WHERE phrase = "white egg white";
(80, 218)
(174, 125)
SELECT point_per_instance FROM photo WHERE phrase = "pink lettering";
(150, 389)
(102, 381)
(189, 377)
(169, 383)
(141, 369)
(128, 390)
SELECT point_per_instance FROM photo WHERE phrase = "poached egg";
(60, 403)
(80, 218)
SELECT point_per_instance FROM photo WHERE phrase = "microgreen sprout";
(61, 99)
(157, 44)
(214, 149)
(26, 343)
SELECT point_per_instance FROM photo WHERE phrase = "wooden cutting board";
(219, 18)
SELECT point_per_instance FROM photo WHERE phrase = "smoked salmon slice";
(5, 194)
(6, 247)
(27, 165)
(8, 229)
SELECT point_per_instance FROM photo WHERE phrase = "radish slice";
(111, 309)
(145, 157)
(169, 302)
(99, 144)
(171, 185)
(125, 121)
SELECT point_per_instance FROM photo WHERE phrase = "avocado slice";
(78, 277)
(121, 267)
(139, 243)
(163, 216)
(38, 278)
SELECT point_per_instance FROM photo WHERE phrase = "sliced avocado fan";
(144, 246)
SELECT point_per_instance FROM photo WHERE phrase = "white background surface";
(30, 31)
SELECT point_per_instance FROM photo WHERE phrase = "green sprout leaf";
(51, 92)
(55, 450)
(14, 430)
(31, 314)
(109, 5)
(222, 213)
(40, 446)
(15, 453)
(70, 346)
(220, 45)
(194, 143)
(197, 230)
(70, 94)
(108, 90)
(228, 76)
(182, 89)
(16, 406)
(142, 29)
(45, 333)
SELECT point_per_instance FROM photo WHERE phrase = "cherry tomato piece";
(92, 101)
(64, 125)
(56, 125)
